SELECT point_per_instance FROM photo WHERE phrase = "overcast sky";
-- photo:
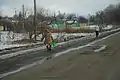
(82, 7)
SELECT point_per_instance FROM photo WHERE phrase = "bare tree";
(110, 15)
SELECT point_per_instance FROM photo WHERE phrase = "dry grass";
(73, 30)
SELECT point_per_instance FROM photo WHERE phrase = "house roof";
(5, 22)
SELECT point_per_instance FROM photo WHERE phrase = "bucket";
(53, 44)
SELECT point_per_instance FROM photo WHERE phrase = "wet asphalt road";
(14, 63)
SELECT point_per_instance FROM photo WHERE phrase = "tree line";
(110, 15)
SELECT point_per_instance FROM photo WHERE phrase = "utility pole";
(15, 12)
(15, 15)
(23, 8)
(34, 22)
(88, 19)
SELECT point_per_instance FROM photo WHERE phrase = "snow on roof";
(71, 22)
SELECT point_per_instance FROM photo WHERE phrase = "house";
(6, 24)
(72, 23)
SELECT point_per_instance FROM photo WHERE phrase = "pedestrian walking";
(47, 35)
(97, 31)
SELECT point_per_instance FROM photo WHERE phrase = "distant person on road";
(97, 31)
(47, 35)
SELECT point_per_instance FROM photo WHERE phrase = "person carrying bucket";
(48, 39)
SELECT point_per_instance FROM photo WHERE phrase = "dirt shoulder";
(82, 64)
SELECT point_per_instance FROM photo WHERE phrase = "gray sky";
(82, 7)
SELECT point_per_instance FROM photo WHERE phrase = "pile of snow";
(78, 34)
(93, 27)
(108, 27)
(8, 37)
(67, 36)
(20, 36)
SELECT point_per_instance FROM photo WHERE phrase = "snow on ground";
(55, 35)
(43, 47)
(78, 34)
(108, 27)
(93, 27)
(9, 46)
(66, 35)
(4, 46)
(7, 38)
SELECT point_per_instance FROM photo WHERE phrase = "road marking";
(101, 48)
(23, 68)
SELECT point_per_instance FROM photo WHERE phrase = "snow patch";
(8, 37)
(108, 27)
(93, 27)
